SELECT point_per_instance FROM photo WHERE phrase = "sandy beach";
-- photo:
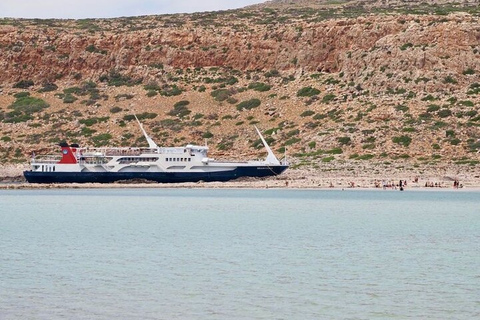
(346, 176)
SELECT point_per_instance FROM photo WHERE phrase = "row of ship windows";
(137, 159)
(48, 169)
(123, 160)
(178, 159)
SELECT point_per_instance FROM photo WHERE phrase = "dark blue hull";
(161, 177)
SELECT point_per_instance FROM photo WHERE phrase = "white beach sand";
(364, 176)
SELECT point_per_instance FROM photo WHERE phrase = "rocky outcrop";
(397, 44)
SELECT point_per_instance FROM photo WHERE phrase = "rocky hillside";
(332, 81)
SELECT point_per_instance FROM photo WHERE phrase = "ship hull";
(160, 177)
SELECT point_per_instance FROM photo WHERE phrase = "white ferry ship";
(160, 164)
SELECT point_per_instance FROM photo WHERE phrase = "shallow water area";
(239, 254)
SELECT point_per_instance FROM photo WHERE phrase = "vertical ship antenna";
(151, 143)
(270, 157)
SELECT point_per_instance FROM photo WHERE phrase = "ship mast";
(151, 143)
(271, 159)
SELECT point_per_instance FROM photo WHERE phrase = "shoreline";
(337, 178)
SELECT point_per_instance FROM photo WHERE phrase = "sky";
(79, 9)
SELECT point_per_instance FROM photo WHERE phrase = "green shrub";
(248, 104)
(152, 86)
(402, 140)
(402, 108)
(344, 140)
(181, 103)
(21, 94)
(88, 122)
(232, 100)
(433, 107)
(91, 121)
(199, 116)
(444, 113)
(292, 141)
(468, 71)
(74, 90)
(428, 98)
(466, 103)
(151, 93)
(319, 116)
(180, 109)
(328, 97)
(272, 73)
(455, 141)
(406, 46)
(91, 48)
(474, 88)
(141, 116)
(450, 79)
(307, 92)
(101, 139)
(365, 157)
(87, 132)
(471, 113)
(48, 87)
(146, 115)
(115, 110)
(221, 94)
(116, 79)
(473, 145)
(328, 159)
(124, 96)
(23, 109)
(292, 133)
(171, 90)
(207, 135)
(307, 113)
(69, 98)
(23, 84)
(225, 145)
(259, 86)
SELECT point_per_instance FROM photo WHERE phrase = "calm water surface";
(239, 254)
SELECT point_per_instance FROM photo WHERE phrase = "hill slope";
(334, 81)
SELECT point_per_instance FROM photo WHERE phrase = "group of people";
(456, 184)
(403, 183)
(391, 184)
(429, 184)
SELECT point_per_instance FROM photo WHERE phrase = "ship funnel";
(151, 143)
(271, 159)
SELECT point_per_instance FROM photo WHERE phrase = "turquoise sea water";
(239, 254)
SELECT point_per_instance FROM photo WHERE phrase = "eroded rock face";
(358, 47)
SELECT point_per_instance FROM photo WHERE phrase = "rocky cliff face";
(416, 68)
(47, 51)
